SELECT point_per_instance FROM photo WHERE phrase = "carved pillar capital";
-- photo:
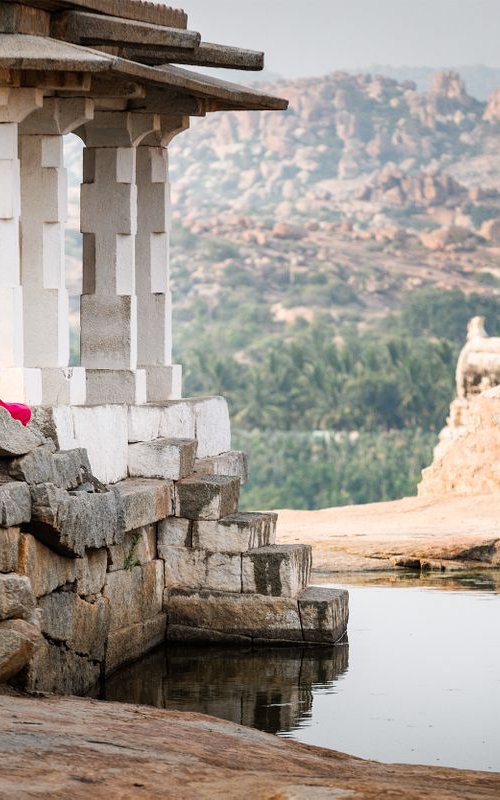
(118, 128)
(16, 104)
(58, 116)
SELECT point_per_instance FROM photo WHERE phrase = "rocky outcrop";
(467, 458)
(93, 576)
(478, 367)
(116, 750)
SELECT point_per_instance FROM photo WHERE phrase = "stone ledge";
(129, 643)
(277, 570)
(235, 533)
(206, 497)
(233, 464)
(170, 459)
(225, 759)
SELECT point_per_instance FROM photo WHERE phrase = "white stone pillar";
(163, 379)
(109, 224)
(16, 382)
(44, 213)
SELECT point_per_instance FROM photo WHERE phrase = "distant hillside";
(339, 131)
(481, 81)
(325, 262)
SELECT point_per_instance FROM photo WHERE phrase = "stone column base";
(116, 386)
(20, 385)
(63, 386)
(163, 383)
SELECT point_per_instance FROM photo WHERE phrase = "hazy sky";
(307, 37)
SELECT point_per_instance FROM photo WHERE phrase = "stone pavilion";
(119, 522)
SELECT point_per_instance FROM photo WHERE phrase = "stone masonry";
(119, 521)
(95, 572)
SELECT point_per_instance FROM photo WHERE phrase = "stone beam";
(15, 381)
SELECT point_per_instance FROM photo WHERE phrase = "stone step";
(195, 569)
(277, 570)
(171, 459)
(233, 464)
(205, 419)
(236, 533)
(319, 617)
(324, 614)
(206, 497)
(143, 501)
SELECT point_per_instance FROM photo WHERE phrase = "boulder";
(72, 468)
(15, 504)
(170, 459)
(15, 438)
(18, 640)
(277, 570)
(16, 597)
(72, 523)
(206, 497)
(35, 467)
(490, 230)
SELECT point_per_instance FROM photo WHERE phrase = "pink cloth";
(18, 411)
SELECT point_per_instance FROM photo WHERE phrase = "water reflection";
(269, 689)
(485, 581)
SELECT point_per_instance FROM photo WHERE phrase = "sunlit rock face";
(467, 456)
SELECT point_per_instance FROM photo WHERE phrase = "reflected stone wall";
(269, 689)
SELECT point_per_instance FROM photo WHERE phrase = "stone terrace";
(93, 575)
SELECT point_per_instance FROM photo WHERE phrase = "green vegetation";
(292, 388)
(324, 469)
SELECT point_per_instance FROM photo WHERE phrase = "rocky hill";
(338, 129)
(325, 263)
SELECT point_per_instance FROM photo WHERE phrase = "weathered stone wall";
(119, 529)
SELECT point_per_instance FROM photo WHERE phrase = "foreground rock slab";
(85, 748)
(447, 533)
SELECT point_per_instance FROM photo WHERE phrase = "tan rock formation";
(112, 750)
(467, 458)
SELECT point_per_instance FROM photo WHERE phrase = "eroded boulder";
(16, 597)
(18, 640)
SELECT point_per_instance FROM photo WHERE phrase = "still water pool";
(418, 682)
